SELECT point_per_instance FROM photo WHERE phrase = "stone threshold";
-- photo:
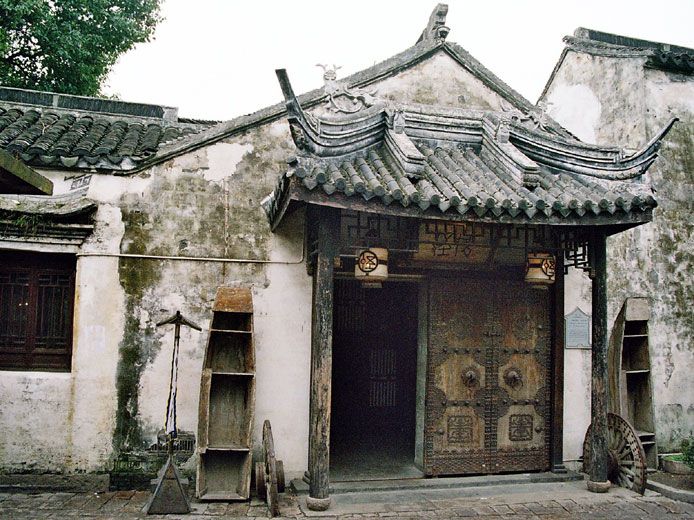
(682, 495)
(301, 488)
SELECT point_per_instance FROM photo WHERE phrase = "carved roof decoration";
(436, 29)
(422, 160)
(60, 131)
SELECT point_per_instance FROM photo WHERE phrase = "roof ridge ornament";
(356, 98)
(436, 30)
(534, 119)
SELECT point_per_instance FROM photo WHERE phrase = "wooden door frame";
(421, 350)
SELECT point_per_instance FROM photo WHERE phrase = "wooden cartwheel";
(269, 475)
(626, 466)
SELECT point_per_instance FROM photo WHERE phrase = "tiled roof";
(438, 162)
(66, 139)
(456, 179)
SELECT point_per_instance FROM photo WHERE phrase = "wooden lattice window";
(37, 294)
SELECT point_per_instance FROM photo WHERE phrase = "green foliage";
(688, 452)
(69, 46)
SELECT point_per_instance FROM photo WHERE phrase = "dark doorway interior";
(374, 381)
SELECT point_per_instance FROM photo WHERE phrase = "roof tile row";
(457, 178)
(62, 138)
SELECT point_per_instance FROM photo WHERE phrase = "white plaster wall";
(63, 422)
(34, 421)
(97, 328)
(577, 375)
(283, 350)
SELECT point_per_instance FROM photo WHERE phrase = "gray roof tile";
(457, 179)
(53, 137)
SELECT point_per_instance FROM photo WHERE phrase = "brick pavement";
(532, 501)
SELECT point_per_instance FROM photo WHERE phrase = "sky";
(216, 59)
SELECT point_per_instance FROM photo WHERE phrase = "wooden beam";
(597, 480)
(328, 233)
(22, 179)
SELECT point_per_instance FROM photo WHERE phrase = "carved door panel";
(520, 403)
(487, 378)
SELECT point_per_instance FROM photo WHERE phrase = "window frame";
(31, 356)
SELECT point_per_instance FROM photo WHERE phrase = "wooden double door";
(487, 404)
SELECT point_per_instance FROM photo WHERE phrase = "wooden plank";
(637, 309)
(233, 299)
(616, 379)
(204, 407)
(23, 179)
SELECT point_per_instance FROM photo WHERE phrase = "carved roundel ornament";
(372, 264)
(548, 266)
(367, 261)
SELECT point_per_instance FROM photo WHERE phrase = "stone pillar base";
(598, 487)
(318, 504)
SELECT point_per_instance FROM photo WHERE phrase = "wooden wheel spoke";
(626, 451)
(622, 443)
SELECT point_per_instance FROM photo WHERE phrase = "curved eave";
(297, 195)
(590, 160)
(291, 192)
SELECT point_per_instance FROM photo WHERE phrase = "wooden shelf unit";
(227, 400)
(631, 392)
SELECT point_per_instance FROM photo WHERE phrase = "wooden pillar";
(328, 222)
(557, 438)
(597, 480)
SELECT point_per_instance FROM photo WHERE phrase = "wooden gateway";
(227, 393)
(482, 211)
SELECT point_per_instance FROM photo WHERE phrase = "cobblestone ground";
(568, 500)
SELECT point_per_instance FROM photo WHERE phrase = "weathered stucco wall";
(618, 101)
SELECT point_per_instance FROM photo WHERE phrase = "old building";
(427, 165)
(606, 89)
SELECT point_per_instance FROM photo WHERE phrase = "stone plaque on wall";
(577, 329)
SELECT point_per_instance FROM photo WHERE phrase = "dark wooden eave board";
(17, 177)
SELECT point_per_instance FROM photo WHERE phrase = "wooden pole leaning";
(321, 358)
(597, 480)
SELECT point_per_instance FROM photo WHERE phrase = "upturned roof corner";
(408, 159)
